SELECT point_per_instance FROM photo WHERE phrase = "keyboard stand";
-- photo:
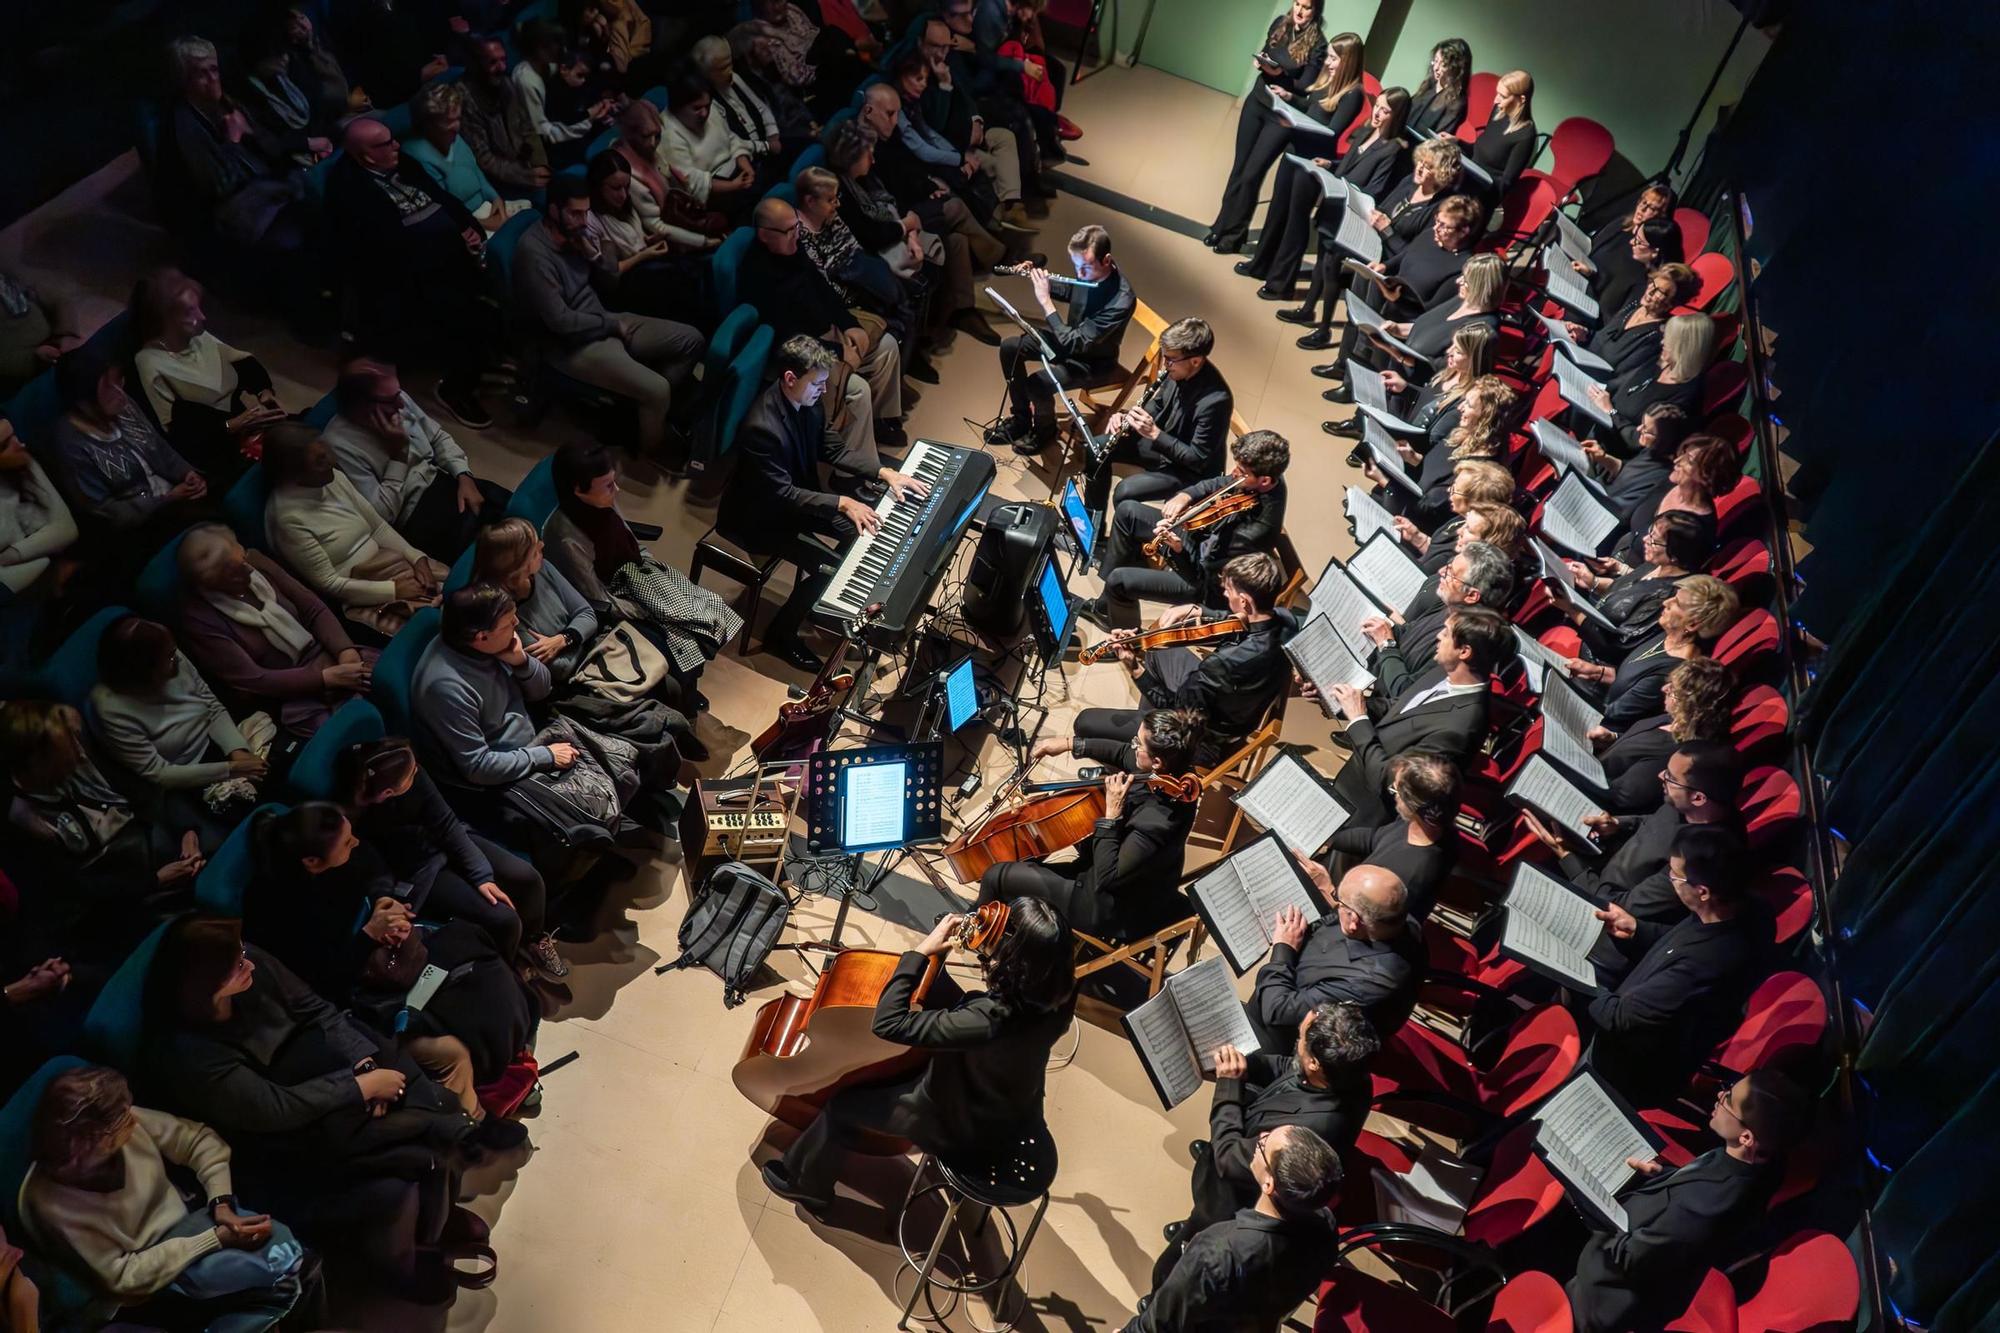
(864, 677)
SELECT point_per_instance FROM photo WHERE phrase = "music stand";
(876, 798)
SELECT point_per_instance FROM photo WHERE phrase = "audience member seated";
(1419, 846)
(1684, 1221)
(414, 259)
(390, 48)
(990, 181)
(1686, 346)
(1700, 705)
(37, 326)
(36, 528)
(20, 1298)
(860, 279)
(250, 190)
(998, 82)
(497, 126)
(395, 806)
(312, 67)
(332, 1127)
(301, 119)
(118, 470)
(336, 540)
(1703, 468)
(1292, 57)
(405, 464)
(665, 208)
(327, 905)
(548, 79)
(156, 718)
(438, 113)
(1634, 486)
(1675, 546)
(951, 109)
(590, 544)
(1321, 1085)
(98, 1196)
(663, 270)
(897, 236)
(557, 271)
(260, 635)
(616, 33)
(819, 61)
(210, 399)
(701, 153)
(1692, 617)
(748, 117)
(1366, 952)
(1253, 1269)
(795, 299)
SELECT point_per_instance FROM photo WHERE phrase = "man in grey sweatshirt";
(471, 693)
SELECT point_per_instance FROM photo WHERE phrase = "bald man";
(1366, 952)
(793, 297)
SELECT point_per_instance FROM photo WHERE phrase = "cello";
(802, 720)
(805, 1048)
(1044, 823)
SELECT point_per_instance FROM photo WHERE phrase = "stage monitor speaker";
(1017, 540)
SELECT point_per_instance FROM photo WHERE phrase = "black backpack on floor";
(734, 924)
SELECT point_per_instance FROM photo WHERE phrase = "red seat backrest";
(1730, 426)
(1694, 227)
(1769, 804)
(1360, 117)
(1722, 386)
(1788, 894)
(1516, 1192)
(1812, 1282)
(1355, 1302)
(1786, 1013)
(1716, 273)
(1478, 105)
(1531, 1303)
(1747, 646)
(1529, 204)
(1743, 564)
(1713, 1309)
(1761, 715)
(1578, 150)
(1541, 1051)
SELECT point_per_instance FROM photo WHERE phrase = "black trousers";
(440, 529)
(1288, 229)
(814, 565)
(1057, 885)
(812, 1163)
(1127, 575)
(1261, 139)
(1150, 485)
(1029, 392)
(450, 896)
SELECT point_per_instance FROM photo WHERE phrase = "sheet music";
(1330, 185)
(1161, 1040)
(1363, 272)
(1555, 571)
(1366, 384)
(1576, 519)
(1587, 1137)
(1324, 660)
(1565, 286)
(1551, 924)
(1289, 799)
(1562, 705)
(1567, 749)
(1576, 351)
(1298, 120)
(1225, 904)
(1341, 600)
(1474, 170)
(1366, 515)
(1559, 447)
(1386, 572)
(1539, 784)
(1394, 424)
(1574, 242)
(1355, 231)
(1537, 659)
(1364, 315)
(1387, 461)
(1205, 997)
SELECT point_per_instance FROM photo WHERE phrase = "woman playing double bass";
(1123, 880)
(989, 1051)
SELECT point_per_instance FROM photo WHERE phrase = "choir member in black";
(1688, 980)
(1507, 142)
(1700, 706)
(1432, 407)
(989, 1053)
(1085, 341)
(1194, 560)
(1294, 50)
(1441, 710)
(1415, 278)
(1476, 575)
(1692, 617)
(1438, 106)
(1404, 214)
(1683, 1221)
(1611, 244)
(1252, 1270)
(1630, 339)
(1482, 515)
(776, 503)
(1418, 846)
(1675, 546)
(1336, 100)
(1125, 879)
(1477, 434)
(1365, 952)
(1703, 468)
(1481, 282)
(1322, 1085)
(1633, 486)
(1179, 432)
(1232, 686)
(1648, 245)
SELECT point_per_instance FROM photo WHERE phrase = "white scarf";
(266, 614)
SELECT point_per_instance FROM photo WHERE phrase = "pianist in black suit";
(1365, 952)
(1257, 464)
(1125, 879)
(1441, 710)
(776, 503)
(1085, 341)
(1233, 686)
(1685, 1221)
(1179, 432)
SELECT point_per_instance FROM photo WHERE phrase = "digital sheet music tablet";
(872, 809)
(1294, 800)
(961, 696)
(1241, 895)
(1082, 523)
(1585, 1132)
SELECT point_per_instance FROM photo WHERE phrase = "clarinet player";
(1179, 432)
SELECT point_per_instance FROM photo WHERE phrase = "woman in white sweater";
(334, 539)
(35, 524)
(701, 152)
(98, 1194)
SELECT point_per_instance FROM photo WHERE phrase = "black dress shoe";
(1317, 339)
(973, 325)
(1093, 610)
(1332, 370)
(1246, 267)
(795, 653)
(1197, 1149)
(1267, 294)
(1339, 430)
(1297, 315)
(781, 1185)
(920, 369)
(1210, 239)
(1034, 441)
(891, 435)
(1171, 1233)
(1229, 245)
(1003, 434)
(1339, 393)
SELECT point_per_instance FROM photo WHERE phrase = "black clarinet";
(1110, 440)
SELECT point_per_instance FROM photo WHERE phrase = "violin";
(800, 719)
(1195, 632)
(1225, 503)
(1045, 823)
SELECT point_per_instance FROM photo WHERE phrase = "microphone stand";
(1090, 440)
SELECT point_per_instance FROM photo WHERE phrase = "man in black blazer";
(1682, 1222)
(1366, 952)
(1085, 342)
(989, 1054)
(1322, 1086)
(1253, 1269)
(776, 503)
(1439, 711)
(413, 259)
(1178, 431)
(1125, 880)
(1478, 574)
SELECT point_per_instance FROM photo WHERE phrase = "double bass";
(805, 1048)
(1044, 823)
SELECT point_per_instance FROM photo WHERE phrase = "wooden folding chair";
(1295, 572)
(1234, 773)
(1145, 957)
(1102, 403)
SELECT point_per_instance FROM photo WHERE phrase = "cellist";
(989, 1054)
(1231, 686)
(1124, 880)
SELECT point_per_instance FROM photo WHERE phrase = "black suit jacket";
(1644, 852)
(1270, 1093)
(1682, 1224)
(1093, 326)
(1685, 993)
(1240, 1275)
(1453, 726)
(791, 295)
(1132, 864)
(1382, 976)
(1204, 553)
(776, 490)
(390, 265)
(1193, 416)
(1633, 762)
(1234, 685)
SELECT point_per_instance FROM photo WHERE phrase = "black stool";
(1018, 1175)
(753, 572)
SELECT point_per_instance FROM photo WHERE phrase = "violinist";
(1124, 879)
(1179, 432)
(1085, 341)
(989, 1053)
(1233, 686)
(1193, 559)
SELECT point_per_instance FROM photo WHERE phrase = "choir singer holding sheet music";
(1697, 613)
(1321, 1086)
(1684, 1221)
(1366, 952)
(1417, 846)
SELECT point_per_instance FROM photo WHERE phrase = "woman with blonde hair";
(1404, 214)
(1484, 411)
(1407, 282)
(1700, 706)
(1686, 346)
(1294, 49)
(1506, 144)
(1480, 285)
(1479, 498)
(1434, 409)
(1336, 100)
(1693, 617)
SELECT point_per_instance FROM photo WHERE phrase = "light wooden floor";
(640, 1207)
